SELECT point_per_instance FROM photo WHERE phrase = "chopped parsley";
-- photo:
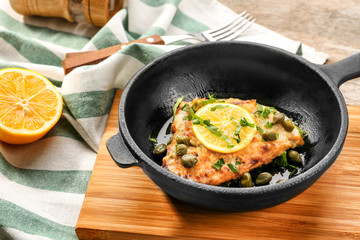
(233, 168)
(237, 163)
(210, 100)
(299, 51)
(152, 139)
(264, 111)
(218, 107)
(302, 132)
(186, 108)
(244, 123)
(237, 130)
(178, 101)
(239, 124)
(237, 139)
(269, 124)
(219, 164)
(281, 161)
(260, 129)
(214, 130)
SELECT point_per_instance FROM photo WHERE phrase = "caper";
(180, 149)
(263, 178)
(288, 125)
(246, 180)
(295, 156)
(193, 143)
(197, 104)
(160, 149)
(270, 135)
(183, 140)
(188, 160)
(278, 118)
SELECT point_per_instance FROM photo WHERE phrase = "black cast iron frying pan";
(308, 93)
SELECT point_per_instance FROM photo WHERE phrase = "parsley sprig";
(151, 139)
(302, 132)
(281, 161)
(264, 111)
(178, 101)
(237, 130)
(217, 107)
(269, 124)
(219, 164)
(233, 168)
(210, 100)
(239, 124)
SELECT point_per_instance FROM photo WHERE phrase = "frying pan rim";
(320, 166)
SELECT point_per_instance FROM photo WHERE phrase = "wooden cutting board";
(126, 204)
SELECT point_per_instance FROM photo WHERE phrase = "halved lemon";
(29, 105)
(226, 118)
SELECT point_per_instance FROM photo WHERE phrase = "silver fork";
(225, 32)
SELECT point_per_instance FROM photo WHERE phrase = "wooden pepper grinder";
(96, 12)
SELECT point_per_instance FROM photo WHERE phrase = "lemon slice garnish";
(228, 128)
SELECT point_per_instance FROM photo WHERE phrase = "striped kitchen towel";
(43, 184)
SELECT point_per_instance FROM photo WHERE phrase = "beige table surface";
(329, 26)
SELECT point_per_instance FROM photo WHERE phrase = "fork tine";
(238, 22)
(212, 31)
(236, 31)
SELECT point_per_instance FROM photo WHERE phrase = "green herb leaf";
(302, 132)
(218, 107)
(299, 51)
(237, 163)
(152, 139)
(237, 130)
(219, 164)
(186, 108)
(269, 124)
(266, 112)
(234, 169)
(281, 161)
(293, 171)
(237, 139)
(210, 100)
(196, 122)
(178, 101)
(260, 129)
(244, 123)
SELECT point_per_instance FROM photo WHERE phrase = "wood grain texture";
(46, 8)
(126, 204)
(97, 12)
(77, 59)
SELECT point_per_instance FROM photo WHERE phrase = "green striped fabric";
(43, 184)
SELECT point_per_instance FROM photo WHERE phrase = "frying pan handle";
(120, 152)
(344, 70)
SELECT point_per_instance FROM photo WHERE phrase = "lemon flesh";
(30, 105)
(222, 116)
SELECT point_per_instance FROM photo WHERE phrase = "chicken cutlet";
(258, 152)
